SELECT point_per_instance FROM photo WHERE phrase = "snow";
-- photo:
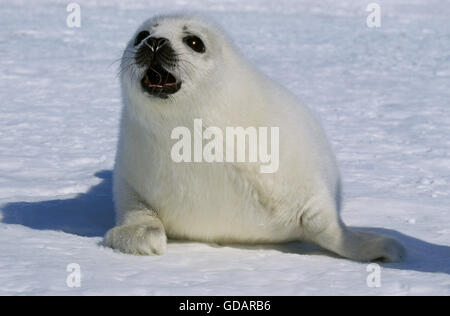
(382, 94)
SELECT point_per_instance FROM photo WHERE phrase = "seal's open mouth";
(159, 82)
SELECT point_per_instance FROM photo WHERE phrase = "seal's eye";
(140, 37)
(195, 43)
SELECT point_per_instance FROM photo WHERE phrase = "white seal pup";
(177, 69)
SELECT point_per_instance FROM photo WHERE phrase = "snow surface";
(383, 95)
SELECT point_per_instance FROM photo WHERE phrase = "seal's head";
(170, 53)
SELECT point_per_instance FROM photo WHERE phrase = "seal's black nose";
(156, 43)
(155, 50)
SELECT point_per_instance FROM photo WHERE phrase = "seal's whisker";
(125, 68)
(187, 61)
(180, 66)
(159, 75)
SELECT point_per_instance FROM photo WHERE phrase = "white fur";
(225, 202)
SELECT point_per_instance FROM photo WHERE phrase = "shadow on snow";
(91, 215)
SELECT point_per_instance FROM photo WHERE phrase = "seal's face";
(166, 55)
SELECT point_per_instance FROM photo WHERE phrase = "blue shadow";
(91, 215)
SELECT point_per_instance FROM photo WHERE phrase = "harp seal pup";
(177, 68)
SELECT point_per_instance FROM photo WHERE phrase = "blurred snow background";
(383, 95)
